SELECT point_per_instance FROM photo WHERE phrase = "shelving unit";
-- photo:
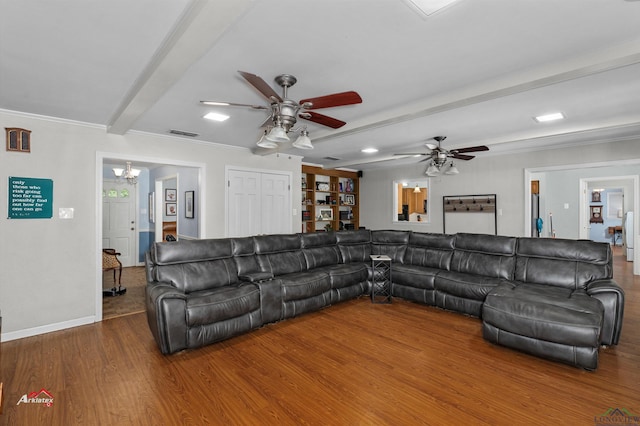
(329, 199)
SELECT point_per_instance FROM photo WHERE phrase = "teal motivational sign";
(30, 198)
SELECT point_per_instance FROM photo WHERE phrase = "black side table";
(381, 283)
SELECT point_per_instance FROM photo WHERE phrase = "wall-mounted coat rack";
(480, 204)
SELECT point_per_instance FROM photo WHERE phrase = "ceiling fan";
(439, 156)
(284, 112)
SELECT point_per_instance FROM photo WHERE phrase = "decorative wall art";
(18, 139)
(171, 209)
(189, 205)
(170, 195)
(325, 214)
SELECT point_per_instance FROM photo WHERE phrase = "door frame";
(101, 156)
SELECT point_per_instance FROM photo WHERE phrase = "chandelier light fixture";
(131, 175)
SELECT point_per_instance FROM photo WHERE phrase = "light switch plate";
(65, 213)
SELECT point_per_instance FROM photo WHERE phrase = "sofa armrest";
(166, 315)
(612, 297)
(256, 277)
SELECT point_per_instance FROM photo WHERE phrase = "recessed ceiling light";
(549, 117)
(216, 117)
(370, 150)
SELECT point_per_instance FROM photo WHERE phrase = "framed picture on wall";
(189, 204)
(170, 195)
(595, 197)
(171, 209)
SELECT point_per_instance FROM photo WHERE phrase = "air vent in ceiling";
(183, 133)
(331, 158)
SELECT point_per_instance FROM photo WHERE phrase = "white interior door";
(275, 202)
(243, 203)
(257, 203)
(118, 220)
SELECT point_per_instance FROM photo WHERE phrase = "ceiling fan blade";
(431, 146)
(325, 120)
(471, 149)
(261, 85)
(462, 156)
(216, 103)
(334, 100)
(413, 153)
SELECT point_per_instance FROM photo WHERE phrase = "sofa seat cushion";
(548, 313)
(466, 286)
(303, 285)
(414, 276)
(220, 304)
(346, 275)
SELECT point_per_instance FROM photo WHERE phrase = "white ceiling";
(477, 71)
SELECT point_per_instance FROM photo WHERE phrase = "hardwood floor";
(351, 364)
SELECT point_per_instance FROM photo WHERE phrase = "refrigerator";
(627, 235)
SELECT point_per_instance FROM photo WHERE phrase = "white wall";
(49, 267)
(502, 175)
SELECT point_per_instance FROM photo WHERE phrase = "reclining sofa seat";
(426, 256)
(348, 280)
(548, 309)
(479, 264)
(194, 296)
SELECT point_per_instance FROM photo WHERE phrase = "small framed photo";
(189, 204)
(595, 197)
(170, 195)
(152, 207)
(325, 214)
(171, 209)
(349, 199)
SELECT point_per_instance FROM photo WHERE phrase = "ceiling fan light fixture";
(277, 134)
(432, 170)
(452, 170)
(303, 141)
(264, 143)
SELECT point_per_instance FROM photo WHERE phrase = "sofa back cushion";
(244, 254)
(354, 246)
(483, 254)
(194, 265)
(280, 254)
(320, 249)
(564, 263)
(430, 250)
(390, 243)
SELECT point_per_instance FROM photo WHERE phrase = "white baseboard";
(29, 332)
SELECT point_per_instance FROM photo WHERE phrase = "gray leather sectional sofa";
(548, 297)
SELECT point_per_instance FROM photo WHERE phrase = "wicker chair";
(110, 262)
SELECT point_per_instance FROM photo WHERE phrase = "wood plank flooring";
(351, 364)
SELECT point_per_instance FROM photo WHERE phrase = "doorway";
(565, 194)
(144, 226)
